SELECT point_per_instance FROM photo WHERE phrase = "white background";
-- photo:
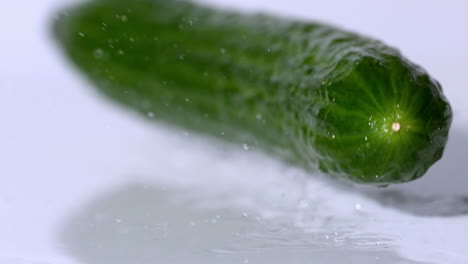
(66, 154)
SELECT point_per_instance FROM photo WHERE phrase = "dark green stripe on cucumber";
(314, 94)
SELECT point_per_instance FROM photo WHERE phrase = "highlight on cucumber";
(315, 95)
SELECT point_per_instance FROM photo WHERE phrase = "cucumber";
(316, 95)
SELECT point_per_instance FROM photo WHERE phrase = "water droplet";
(118, 220)
(81, 34)
(121, 52)
(358, 206)
(246, 147)
(223, 50)
(244, 215)
(268, 50)
(365, 138)
(124, 18)
(222, 132)
(326, 237)
(187, 100)
(181, 57)
(258, 116)
(150, 114)
(131, 39)
(98, 53)
(333, 136)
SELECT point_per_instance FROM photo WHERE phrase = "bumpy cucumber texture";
(316, 95)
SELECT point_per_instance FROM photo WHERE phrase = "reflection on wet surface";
(141, 223)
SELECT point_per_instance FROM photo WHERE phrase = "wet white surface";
(83, 181)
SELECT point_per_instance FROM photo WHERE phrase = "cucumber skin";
(314, 94)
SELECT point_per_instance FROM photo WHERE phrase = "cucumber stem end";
(396, 127)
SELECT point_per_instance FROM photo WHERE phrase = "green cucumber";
(316, 95)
